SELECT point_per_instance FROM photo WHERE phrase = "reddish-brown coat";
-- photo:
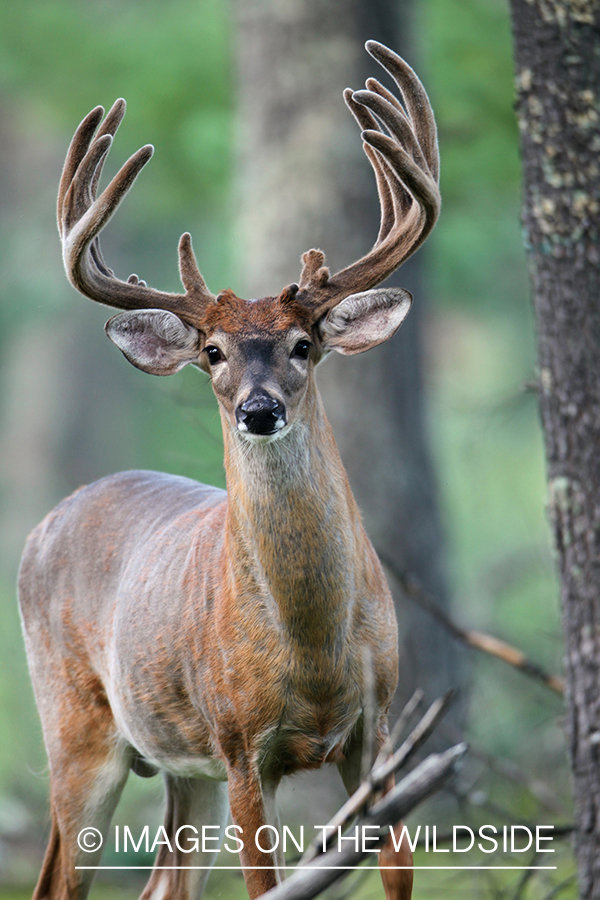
(238, 625)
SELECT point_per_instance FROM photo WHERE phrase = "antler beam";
(82, 215)
(401, 144)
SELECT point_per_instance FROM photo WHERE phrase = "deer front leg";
(247, 805)
(396, 866)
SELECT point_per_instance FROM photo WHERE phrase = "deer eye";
(214, 354)
(301, 350)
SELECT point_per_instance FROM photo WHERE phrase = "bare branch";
(507, 769)
(486, 643)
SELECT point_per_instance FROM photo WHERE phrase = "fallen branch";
(424, 780)
(486, 643)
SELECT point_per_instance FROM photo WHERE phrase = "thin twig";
(486, 643)
(399, 726)
(465, 799)
(558, 888)
(525, 878)
(416, 738)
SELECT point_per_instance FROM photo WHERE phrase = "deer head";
(261, 353)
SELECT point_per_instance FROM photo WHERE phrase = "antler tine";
(401, 145)
(77, 149)
(388, 187)
(416, 100)
(81, 217)
(109, 126)
(376, 86)
(397, 123)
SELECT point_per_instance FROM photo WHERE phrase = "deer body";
(173, 629)
(185, 583)
(222, 637)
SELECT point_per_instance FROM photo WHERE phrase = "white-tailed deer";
(220, 637)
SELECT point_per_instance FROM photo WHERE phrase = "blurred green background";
(173, 63)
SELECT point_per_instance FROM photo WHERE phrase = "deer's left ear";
(362, 321)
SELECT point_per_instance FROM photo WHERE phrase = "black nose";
(260, 413)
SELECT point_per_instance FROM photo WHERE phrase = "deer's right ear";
(154, 340)
(364, 320)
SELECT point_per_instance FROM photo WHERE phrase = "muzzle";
(260, 414)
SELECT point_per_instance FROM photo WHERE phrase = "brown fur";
(270, 315)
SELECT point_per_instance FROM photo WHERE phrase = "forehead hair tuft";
(268, 315)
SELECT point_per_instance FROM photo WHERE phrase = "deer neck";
(293, 527)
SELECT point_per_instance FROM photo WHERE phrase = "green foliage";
(469, 59)
(477, 256)
(19, 729)
(169, 60)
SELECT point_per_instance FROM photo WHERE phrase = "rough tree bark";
(557, 47)
(305, 183)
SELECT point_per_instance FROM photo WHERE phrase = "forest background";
(71, 410)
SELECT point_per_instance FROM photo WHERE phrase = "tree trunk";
(304, 182)
(557, 47)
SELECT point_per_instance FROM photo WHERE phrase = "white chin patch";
(282, 429)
